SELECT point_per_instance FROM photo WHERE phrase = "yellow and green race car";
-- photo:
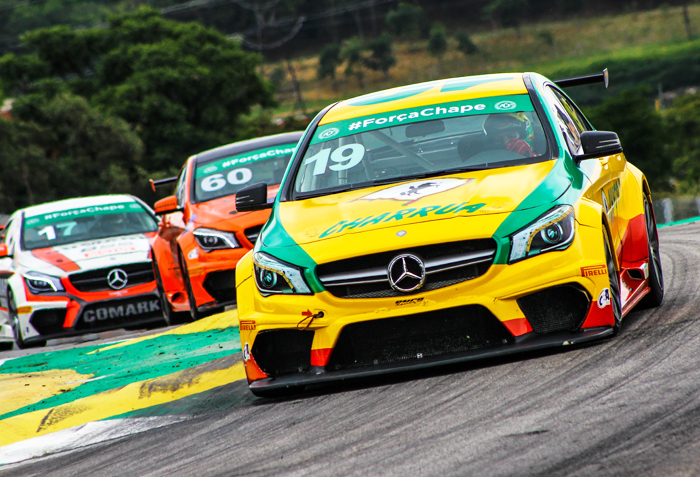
(444, 222)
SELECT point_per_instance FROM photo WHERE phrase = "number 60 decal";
(357, 152)
(235, 177)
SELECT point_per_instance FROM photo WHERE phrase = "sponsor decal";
(604, 298)
(246, 352)
(422, 113)
(119, 311)
(410, 301)
(193, 254)
(433, 211)
(110, 251)
(311, 233)
(594, 270)
(330, 132)
(247, 325)
(414, 191)
(505, 105)
(118, 208)
(245, 158)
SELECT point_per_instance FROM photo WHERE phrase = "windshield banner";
(53, 217)
(495, 104)
(246, 158)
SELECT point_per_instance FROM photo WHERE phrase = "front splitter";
(528, 342)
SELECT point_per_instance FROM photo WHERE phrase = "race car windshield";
(87, 223)
(355, 154)
(227, 175)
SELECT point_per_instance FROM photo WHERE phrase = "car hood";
(494, 191)
(223, 209)
(89, 255)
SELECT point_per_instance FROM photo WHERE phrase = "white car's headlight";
(40, 283)
(552, 231)
(211, 239)
(274, 276)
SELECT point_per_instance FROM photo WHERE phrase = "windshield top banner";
(496, 104)
(246, 158)
(63, 215)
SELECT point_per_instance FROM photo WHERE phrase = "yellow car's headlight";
(552, 231)
(273, 276)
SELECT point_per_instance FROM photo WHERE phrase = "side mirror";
(253, 197)
(4, 250)
(166, 206)
(599, 144)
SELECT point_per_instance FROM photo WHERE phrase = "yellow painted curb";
(223, 320)
(118, 401)
(20, 390)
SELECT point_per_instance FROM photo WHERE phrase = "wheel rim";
(614, 281)
(653, 239)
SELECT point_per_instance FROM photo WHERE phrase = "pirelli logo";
(594, 270)
(247, 325)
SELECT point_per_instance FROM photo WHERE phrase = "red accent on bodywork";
(72, 313)
(253, 371)
(518, 326)
(319, 357)
(49, 255)
(634, 240)
(599, 316)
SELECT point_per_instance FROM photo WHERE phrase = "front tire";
(614, 280)
(656, 277)
(17, 326)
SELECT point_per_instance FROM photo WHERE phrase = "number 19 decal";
(235, 177)
(350, 154)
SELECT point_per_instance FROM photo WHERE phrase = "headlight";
(40, 283)
(275, 276)
(553, 231)
(210, 239)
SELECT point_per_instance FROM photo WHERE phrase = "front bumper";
(503, 292)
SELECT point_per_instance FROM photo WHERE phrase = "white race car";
(77, 266)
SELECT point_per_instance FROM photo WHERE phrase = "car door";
(604, 173)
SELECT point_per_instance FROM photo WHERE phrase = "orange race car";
(202, 236)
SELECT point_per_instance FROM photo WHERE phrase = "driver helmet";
(498, 124)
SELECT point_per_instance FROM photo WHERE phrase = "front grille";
(48, 322)
(560, 308)
(413, 337)
(446, 264)
(96, 280)
(221, 285)
(114, 313)
(252, 233)
(279, 352)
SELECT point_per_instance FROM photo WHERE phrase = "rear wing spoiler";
(161, 182)
(581, 80)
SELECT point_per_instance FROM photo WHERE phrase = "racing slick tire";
(171, 317)
(194, 312)
(16, 326)
(656, 277)
(614, 279)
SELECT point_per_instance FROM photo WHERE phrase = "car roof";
(432, 92)
(245, 146)
(77, 203)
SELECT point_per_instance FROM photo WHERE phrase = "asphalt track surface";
(629, 405)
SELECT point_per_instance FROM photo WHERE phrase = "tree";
(683, 126)
(328, 61)
(353, 53)
(437, 43)
(465, 44)
(62, 147)
(405, 21)
(381, 57)
(181, 86)
(641, 130)
(509, 13)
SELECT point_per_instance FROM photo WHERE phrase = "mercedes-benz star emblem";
(117, 279)
(406, 273)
